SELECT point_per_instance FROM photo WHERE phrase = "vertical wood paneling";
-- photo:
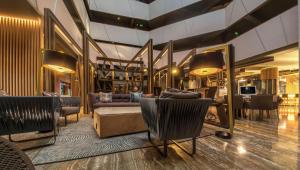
(19, 56)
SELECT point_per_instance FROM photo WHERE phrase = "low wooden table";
(112, 121)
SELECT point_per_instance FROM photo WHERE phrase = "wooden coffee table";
(112, 121)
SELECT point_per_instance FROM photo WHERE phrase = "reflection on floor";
(255, 145)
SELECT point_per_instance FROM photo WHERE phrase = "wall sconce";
(206, 63)
(59, 61)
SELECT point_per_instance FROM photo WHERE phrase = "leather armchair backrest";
(26, 114)
(181, 118)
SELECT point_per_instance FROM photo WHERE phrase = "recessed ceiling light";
(236, 33)
(141, 25)
(119, 18)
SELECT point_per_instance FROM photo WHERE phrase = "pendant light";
(59, 61)
(206, 63)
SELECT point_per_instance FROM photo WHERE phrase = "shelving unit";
(118, 76)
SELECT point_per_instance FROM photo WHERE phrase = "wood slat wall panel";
(19, 56)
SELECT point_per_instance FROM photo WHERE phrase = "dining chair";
(263, 103)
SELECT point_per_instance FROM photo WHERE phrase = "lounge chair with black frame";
(174, 119)
(19, 114)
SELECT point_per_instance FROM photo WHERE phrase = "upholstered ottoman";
(112, 121)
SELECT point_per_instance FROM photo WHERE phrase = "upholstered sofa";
(118, 100)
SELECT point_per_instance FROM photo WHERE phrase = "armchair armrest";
(70, 101)
(149, 112)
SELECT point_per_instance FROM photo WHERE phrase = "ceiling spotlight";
(119, 18)
(236, 33)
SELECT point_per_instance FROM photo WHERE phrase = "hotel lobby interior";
(149, 84)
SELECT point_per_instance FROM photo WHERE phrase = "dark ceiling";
(146, 1)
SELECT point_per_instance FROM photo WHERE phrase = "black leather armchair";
(173, 119)
(27, 114)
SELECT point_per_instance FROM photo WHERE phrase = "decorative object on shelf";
(206, 63)
(59, 61)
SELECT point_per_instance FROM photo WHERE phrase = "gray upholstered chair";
(69, 106)
(11, 157)
(27, 114)
(174, 118)
(65, 106)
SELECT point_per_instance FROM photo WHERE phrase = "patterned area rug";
(79, 140)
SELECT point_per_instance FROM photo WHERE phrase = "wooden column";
(150, 67)
(230, 66)
(52, 27)
(49, 43)
(169, 50)
(170, 65)
(299, 57)
(85, 78)
(230, 59)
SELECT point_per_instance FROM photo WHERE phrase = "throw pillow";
(105, 97)
(51, 94)
(135, 97)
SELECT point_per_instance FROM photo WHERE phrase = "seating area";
(149, 84)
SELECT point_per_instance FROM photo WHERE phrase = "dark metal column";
(150, 67)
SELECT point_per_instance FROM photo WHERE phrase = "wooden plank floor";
(255, 145)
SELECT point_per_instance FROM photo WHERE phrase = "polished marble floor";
(256, 145)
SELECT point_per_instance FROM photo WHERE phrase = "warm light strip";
(96, 49)
(186, 61)
(144, 52)
(156, 61)
(20, 19)
(164, 53)
(60, 32)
